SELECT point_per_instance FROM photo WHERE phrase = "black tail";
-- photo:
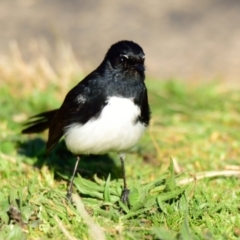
(40, 122)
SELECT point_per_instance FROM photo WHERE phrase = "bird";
(108, 111)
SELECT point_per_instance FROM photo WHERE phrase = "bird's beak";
(139, 67)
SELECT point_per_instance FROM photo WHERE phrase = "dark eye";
(123, 58)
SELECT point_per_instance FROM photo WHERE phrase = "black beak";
(139, 67)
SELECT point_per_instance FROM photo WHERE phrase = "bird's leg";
(125, 191)
(69, 191)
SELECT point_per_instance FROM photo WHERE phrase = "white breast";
(115, 129)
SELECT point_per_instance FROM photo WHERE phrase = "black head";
(127, 57)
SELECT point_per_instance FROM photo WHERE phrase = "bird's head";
(126, 57)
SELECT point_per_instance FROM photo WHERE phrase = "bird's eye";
(142, 59)
(123, 58)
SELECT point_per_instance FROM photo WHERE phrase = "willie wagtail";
(107, 111)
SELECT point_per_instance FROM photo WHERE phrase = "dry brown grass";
(39, 72)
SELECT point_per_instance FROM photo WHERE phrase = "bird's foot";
(69, 197)
(124, 197)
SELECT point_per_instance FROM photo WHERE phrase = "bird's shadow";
(62, 161)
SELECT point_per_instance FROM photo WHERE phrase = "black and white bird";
(107, 111)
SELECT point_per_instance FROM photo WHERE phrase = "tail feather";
(39, 122)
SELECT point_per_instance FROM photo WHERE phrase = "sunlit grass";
(193, 137)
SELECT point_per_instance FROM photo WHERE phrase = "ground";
(184, 173)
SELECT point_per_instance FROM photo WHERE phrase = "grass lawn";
(183, 174)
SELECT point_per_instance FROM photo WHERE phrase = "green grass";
(195, 130)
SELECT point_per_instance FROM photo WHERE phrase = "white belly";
(115, 129)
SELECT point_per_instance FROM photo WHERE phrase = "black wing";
(82, 103)
(145, 109)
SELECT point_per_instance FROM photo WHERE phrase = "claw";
(124, 197)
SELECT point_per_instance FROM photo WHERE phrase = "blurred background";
(186, 40)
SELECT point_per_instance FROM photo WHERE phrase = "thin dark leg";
(125, 191)
(69, 191)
